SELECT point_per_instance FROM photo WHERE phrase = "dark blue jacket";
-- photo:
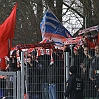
(74, 87)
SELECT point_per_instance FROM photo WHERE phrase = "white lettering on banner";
(78, 84)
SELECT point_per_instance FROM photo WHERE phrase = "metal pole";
(26, 76)
(67, 65)
(71, 59)
(85, 22)
(22, 75)
(18, 85)
(14, 86)
(66, 69)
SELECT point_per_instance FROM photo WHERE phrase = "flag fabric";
(88, 30)
(52, 28)
(77, 40)
(7, 32)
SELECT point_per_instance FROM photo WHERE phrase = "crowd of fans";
(45, 80)
(86, 58)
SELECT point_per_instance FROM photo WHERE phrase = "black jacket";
(33, 78)
(13, 64)
(44, 60)
(74, 87)
(55, 71)
(52, 74)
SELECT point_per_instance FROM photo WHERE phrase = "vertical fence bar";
(66, 69)
(18, 85)
(22, 75)
(26, 75)
(14, 86)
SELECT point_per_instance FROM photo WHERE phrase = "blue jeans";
(52, 91)
(45, 94)
(1, 93)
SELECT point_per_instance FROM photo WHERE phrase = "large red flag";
(7, 32)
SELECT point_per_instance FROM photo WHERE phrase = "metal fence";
(40, 78)
(8, 85)
(12, 83)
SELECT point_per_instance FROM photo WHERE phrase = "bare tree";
(88, 11)
(30, 13)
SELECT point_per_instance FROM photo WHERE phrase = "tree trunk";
(59, 4)
(39, 19)
(96, 12)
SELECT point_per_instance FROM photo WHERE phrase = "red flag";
(2, 64)
(7, 32)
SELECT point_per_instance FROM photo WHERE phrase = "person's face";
(29, 59)
(97, 50)
(75, 52)
(85, 50)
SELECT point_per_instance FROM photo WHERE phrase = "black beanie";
(73, 69)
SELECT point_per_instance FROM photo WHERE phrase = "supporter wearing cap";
(73, 69)
(72, 88)
(33, 54)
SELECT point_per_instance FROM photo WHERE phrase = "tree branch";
(74, 10)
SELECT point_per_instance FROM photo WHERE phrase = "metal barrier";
(12, 83)
(8, 85)
(44, 80)
(40, 79)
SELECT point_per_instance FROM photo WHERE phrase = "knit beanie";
(73, 69)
